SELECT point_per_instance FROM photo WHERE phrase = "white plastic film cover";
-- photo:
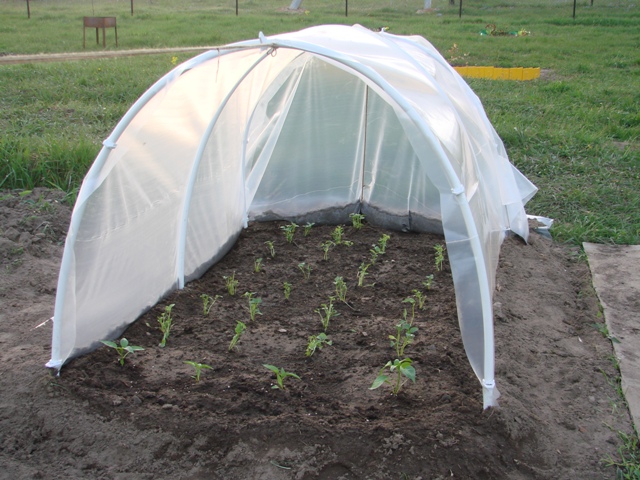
(320, 123)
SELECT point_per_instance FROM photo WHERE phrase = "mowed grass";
(574, 132)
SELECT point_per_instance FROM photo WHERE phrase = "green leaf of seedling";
(273, 368)
(378, 382)
(409, 372)
(109, 343)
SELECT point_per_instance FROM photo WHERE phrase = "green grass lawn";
(575, 132)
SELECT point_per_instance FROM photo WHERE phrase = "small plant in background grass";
(397, 370)
(305, 268)
(362, 273)
(286, 287)
(307, 228)
(326, 246)
(198, 368)
(240, 328)
(123, 349)
(439, 256)
(231, 283)
(271, 247)
(341, 289)
(604, 331)
(281, 375)
(257, 265)
(289, 231)
(165, 320)
(327, 312)
(316, 342)
(428, 283)
(254, 305)
(628, 463)
(208, 302)
(357, 220)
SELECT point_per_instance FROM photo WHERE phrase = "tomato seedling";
(165, 320)
(198, 367)
(123, 349)
(281, 375)
(399, 368)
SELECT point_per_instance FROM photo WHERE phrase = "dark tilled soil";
(558, 418)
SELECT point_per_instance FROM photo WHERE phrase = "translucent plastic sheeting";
(315, 125)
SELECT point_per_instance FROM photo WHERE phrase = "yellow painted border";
(497, 73)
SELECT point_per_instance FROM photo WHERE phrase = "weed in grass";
(123, 349)
(254, 304)
(198, 369)
(165, 320)
(240, 328)
(316, 342)
(281, 375)
(439, 256)
(327, 312)
(208, 302)
(399, 369)
(326, 246)
(305, 268)
(231, 283)
(289, 231)
(307, 228)
(341, 289)
(357, 220)
(271, 247)
(257, 265)
(286, 287)
(604, 331)
(627, 464)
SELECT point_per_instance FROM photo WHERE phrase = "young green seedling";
(198, 367)
(420, 297)
(405, 333)
(289, 231)
(207, 302)
(428, 283)
(272, 249)
(341, 289)
(327, 312)
(254, 304)
(412, 301)
(337, 234)
(439, 256)
(286, 287)
(382, 243)
(326, 246)
(399, 368)
(165, 321)
(257, 265)
(362, 273)
(356, 220)
(281, 374)
(305, 269)
(240, 328)
(316, 342)
(123, 349)
(307, 228)
(231, 284)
